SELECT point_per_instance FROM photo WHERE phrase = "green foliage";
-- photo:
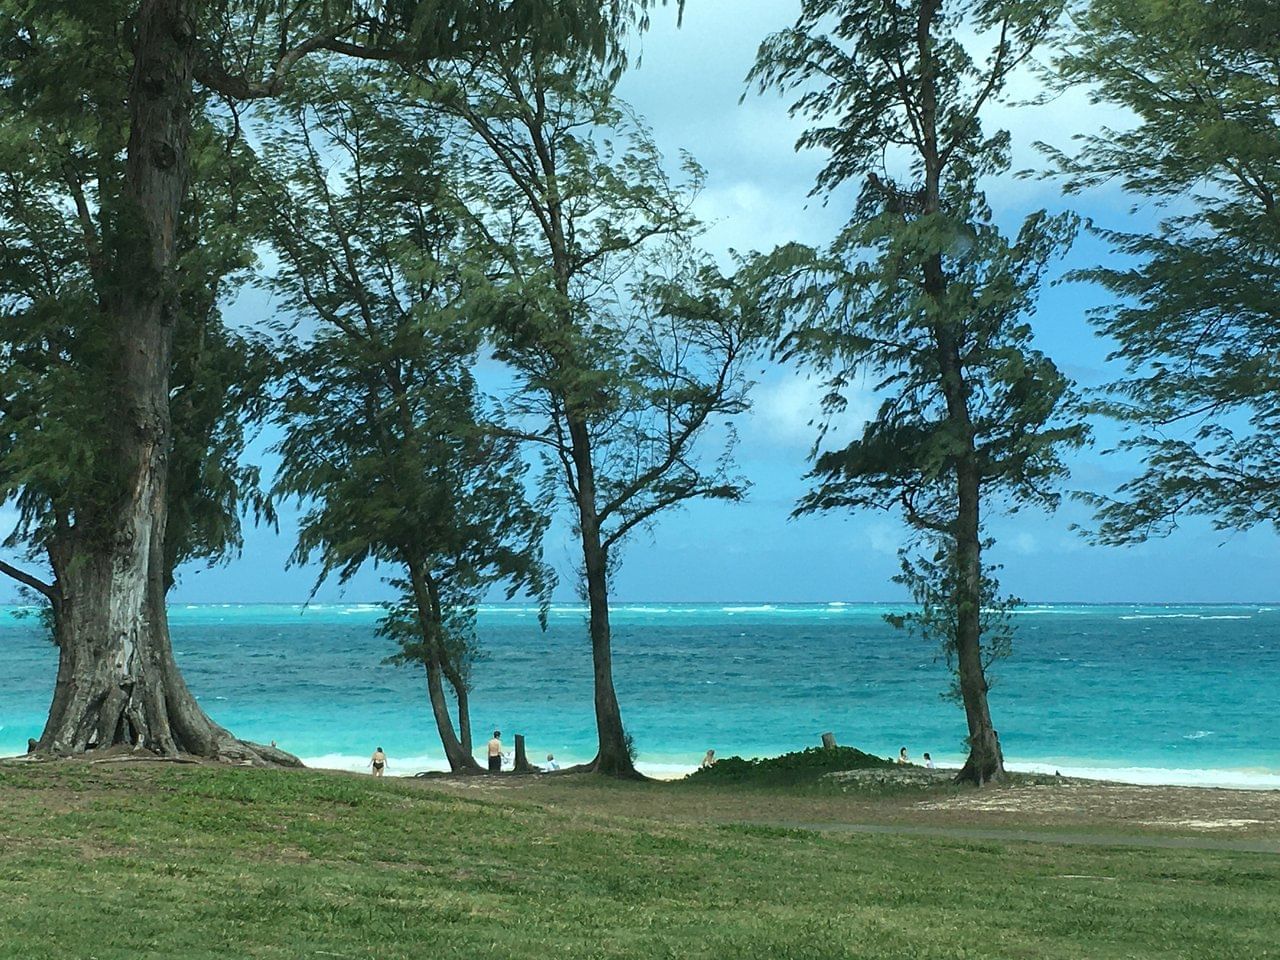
(628, 344)
(931, 576)
(801, 766)
(922, 298)
(1194, 307)
(387, 444)
(65, 246)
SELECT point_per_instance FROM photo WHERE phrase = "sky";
(688, 85)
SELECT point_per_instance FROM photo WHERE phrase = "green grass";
(162, 861)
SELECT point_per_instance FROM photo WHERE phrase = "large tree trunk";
(612, 756)
(118, 684)
(985, 761)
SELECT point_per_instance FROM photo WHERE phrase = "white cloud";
(787, 411)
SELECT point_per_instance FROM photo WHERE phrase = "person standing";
(378, 762)
(495, 752)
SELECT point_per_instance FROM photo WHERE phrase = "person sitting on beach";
(378, 761)
(708, 761)
(902, 756)
(551, 763)
(495, 752)
(928, 762)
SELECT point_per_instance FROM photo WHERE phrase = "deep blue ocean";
(1161, 694)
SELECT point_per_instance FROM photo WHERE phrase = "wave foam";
(1245, 779)
(426, 763)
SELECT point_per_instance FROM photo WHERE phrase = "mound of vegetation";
(801, 766)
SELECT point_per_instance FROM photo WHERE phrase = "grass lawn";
(116, 861)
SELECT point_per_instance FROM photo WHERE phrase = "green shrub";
(802, 766)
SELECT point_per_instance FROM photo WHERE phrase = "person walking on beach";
(495, 752)
(902, 756)
(378, 762)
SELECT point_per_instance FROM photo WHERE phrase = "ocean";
(1145, 694)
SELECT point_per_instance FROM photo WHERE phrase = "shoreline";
(670, 769)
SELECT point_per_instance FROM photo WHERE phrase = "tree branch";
(50, 591)
(213, 75)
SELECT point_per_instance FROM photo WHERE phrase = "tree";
(64, 170)
(1195, 315)
(922, 293)
(385, 442)
(117, 146)
(627, 347)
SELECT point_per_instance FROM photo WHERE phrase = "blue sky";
(688, 86)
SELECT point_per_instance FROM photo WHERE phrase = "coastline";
(675, 768)
(667, 769)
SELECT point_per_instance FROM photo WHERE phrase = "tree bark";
(118, 684)
(427, 602)
(462, 696)
(612, 756)
(985, 762)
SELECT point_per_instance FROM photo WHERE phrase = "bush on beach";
(800, 766)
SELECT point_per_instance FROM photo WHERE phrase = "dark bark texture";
(985, 761)
(118, 684)
(612, 756)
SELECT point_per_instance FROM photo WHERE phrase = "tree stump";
(522, 764)
(828, 741)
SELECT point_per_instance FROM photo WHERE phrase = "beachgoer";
(902, 756)
(708, 761)
(495, 752)
(378, 761)
(928, 762)
(551, 762)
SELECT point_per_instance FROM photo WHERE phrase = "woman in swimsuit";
(378, 762)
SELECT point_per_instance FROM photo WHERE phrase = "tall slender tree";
(922, 293)
(141, 73)
(385, 441)
(627, 347)
(1196, 312)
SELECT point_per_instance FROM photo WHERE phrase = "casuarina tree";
(1195, 311)
(386, 444)
(923, 297)
(108, 94)
(626, 345)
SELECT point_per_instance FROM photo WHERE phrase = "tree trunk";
(985, 761)
(612, 756)
(522, 764)
(462, 696)
(118, 684)
(460, 760)
(426, 600)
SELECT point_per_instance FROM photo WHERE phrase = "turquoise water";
(1179, 694)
